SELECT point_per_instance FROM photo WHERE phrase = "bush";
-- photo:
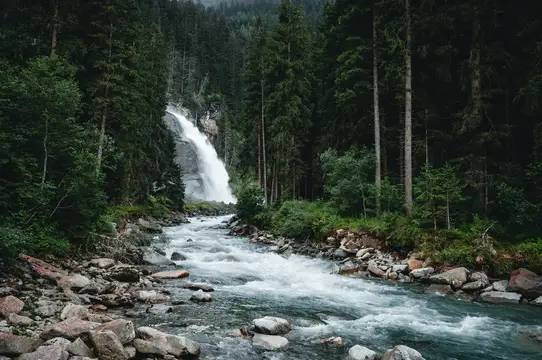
(295, 219)
(39, 242)
(250, 203)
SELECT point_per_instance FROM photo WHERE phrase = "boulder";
(500, 297)
(14, 345)
(455, 277)
(421, 273)
(72, 310)
(108, 345)
(400, 268)
(375, 270)
(439, 289)
(151, 297)
(171, 274)
(70, 328)
(525, 282)
(157, 342)
(15, 319)
(414, 264)
(58, 341)
(358, 352)
(269, 342)
(199, 286)
(103, 263)
(341, 254)
(152, 257)
(79, 348)
(124, 330)
(474, 286)
(177, 256)
(362, 252)
(200, 296)
(531, 334)
(130, 351)
(501, 285)
(75, 282)
(271, 325)
(149, 227)
(402, 352)
(537, 301)
(124, 273)
(481, 277)
(48, 352)
(10, 305)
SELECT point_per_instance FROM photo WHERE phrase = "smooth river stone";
(171, 274)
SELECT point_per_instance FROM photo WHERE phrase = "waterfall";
(213, 177)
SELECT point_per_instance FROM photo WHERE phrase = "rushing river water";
(250, 283)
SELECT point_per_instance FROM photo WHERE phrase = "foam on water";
(251, 282)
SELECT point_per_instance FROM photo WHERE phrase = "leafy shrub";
(250, 202)
(461, 255)
(15, 241)
(295, 219)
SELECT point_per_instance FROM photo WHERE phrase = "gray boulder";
(270, 342)
(402, 352)
(500, 285)
(358, 352)
(455, 277)
(16, 345)
(200, 296)
(108, 345)
(48, 352)
(152, 341)
(271, 325)
(500, 297)
(151, 257)
(421, 273)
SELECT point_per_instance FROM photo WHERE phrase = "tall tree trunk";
(55, 28)
(408, 114)
(378, 176)
(259, 131)
(263, 141)
(426, 140)
(45, 152)
(476, 81)
(104, 110)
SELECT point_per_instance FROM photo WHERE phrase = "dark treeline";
(83, 90)
(462, 146)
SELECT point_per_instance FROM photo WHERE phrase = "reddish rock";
(525, 282)
(171, 274)
(45, 269)
(71, 329)
(124, 330)
(414, 264)
(10, 305)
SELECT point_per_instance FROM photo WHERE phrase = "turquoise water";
(250, 282)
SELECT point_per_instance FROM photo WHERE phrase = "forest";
(416, 119)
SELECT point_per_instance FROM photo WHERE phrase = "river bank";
(360, 253)
(148, 306)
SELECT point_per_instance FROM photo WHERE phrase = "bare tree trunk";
(45, 152)
(408, 114)
(259, 136)
(378, 176)
(263, 141)
(476, 81)
(104, 111)
(426, 141)
(55, 29)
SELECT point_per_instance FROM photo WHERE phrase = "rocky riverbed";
(82, 309)
(360, 253)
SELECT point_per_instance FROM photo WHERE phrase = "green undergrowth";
(461, 246)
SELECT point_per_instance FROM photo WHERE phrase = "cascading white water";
(211, 169)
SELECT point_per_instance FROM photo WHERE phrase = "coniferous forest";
(417, 119)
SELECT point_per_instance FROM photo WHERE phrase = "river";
(250, 283)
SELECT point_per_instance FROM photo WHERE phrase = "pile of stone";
(72, 312)
(360, 253)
